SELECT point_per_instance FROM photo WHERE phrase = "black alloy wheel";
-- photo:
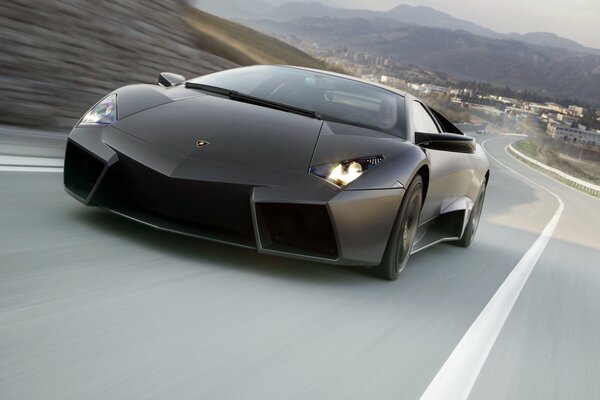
(403, 234)
(469, 233)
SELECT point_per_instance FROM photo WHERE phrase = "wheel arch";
(423, 171)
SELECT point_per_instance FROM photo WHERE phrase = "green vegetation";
(528, 147)
(243, 45)
(590, 119)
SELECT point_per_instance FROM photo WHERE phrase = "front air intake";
(82, 171)
(303, 229)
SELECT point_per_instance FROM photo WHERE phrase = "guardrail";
(584, 186)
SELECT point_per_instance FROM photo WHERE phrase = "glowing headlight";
(103, 113)
(344, 172)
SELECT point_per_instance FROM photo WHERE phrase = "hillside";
(244, 45)
(418, 15)
(57, 58)
(551, 40)
(403, 13)
(545, 70)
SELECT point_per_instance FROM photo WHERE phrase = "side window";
(422, 119)
(447, 126)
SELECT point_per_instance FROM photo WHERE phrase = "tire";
(471, 228)
(403, 233)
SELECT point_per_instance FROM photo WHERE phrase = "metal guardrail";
(584, 186)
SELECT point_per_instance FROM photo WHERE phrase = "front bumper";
(283, 213)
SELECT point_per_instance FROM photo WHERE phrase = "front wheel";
(469, 232)
(403, 233)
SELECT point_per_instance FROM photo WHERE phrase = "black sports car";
(289, 161)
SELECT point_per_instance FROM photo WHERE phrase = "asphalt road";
(93, 306)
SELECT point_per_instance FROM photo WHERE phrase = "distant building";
(486, 109)
(548, 108)
(472, 128)
(427, 89)
(567, 120)
(507, 100)
(576, 111)
(573, 134)
(438, 89)
(557, 108)
(370, 78)
(388, 80)
(522, 114)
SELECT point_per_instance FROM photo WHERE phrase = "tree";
(589, 119)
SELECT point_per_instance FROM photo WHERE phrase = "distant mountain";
(546, 70)
(550, 40)
(297, 9)
(427, 16)
(416, 15)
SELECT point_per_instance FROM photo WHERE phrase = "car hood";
(236, 133)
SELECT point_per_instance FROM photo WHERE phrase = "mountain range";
(280, 10)
(550, 71)
(424, 37)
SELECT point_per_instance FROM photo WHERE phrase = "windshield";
(333, 98)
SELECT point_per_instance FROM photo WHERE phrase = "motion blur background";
(57, 58)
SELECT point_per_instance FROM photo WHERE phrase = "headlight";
(344, 172)
(103, 113)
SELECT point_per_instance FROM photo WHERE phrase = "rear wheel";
(469, 233)
(403, 233)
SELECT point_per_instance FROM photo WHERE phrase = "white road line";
(31, 161)
(457, 376)
(30, 164)
(8, 168)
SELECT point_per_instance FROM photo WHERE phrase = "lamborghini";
(289, 161)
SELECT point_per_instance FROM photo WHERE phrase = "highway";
(93, 306)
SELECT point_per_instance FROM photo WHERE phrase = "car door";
(451, 173)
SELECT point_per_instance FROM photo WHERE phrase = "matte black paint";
(153, 172)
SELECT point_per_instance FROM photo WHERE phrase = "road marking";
(30, 164)
(456, 378)
(31, 161)
(8, 168)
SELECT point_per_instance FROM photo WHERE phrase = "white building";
(578, 135)
(576, 111)
(388, 80)
(567, 120)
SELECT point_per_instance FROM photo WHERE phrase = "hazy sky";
(574, 19)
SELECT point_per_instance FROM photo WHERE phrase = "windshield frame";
(399, 129)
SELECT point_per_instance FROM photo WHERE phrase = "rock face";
(57, 58)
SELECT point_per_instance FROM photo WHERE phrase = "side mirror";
(168, 79)
(446, 142)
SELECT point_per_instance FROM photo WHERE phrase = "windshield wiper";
(245, 98)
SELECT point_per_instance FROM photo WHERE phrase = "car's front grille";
(131, 185)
